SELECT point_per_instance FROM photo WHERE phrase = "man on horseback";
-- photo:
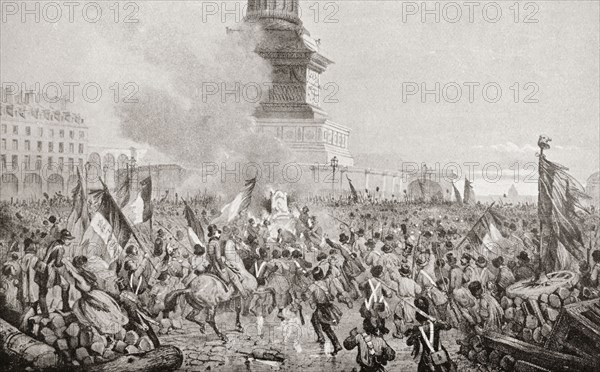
(218, 246)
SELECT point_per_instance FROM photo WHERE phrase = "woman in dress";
(95, 308)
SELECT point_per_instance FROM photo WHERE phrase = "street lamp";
(334, 164)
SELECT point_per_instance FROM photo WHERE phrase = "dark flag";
(123, 190)
(165, 196)
(468, 194)
(559, 199)
(79, 219)
(113, 215)
(197, 232)
(352, 190)
(146, 194)
(457, 195)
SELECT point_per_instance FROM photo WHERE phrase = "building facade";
(40, 147)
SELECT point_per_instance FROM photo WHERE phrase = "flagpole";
(126, 221)
(476, 223)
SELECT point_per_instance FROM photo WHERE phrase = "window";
(4, 129)
(50, 162)
(15, 129)
(81, 148)
(26, 162)
(81, 134)
(61, 147)
(41, 132)
(52, 133)
(15, 145)
(71, 134)
(27, 145)
(3, 161)
(15, 161)
(61, 161)
(28, 131)
(3, 144)
(80, 164)
(38, 162)
(61, 133)
(71, 165)
(50, 146)
(71, 148)
(39, 146)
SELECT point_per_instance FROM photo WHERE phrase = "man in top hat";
(469, 268)
(326, 314)
(484, 275)
(408, 290)
(360, 244)
(523, 270)
(51, 272)
(373, 351)
(390, 261)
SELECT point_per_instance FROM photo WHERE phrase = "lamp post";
(334, 164)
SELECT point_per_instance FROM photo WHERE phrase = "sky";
(543, 54)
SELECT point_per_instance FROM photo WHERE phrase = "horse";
(207, 291)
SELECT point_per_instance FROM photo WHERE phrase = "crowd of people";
(409, 269)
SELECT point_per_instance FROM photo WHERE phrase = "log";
(483, 357)
(569, 300)
(563, 293)
(24, 350)
(554, 301)
(541, 356)
(544, 298)
(520, 316)
(537, 311)
(546, 330)
(531, 322)
(506, 302)
(509, 313)
(518, 301)
(523, 366)
(163, 358)
(552, 314)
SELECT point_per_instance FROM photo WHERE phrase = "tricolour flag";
(559, 196)
(195, 230)
(139, 209)
(79, 219)
(468, 194)
(99, 240)
(352, 190)
(457, 194)
(239, 204)
(113, 215)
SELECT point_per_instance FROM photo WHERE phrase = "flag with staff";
(352, 190)
(239, 204)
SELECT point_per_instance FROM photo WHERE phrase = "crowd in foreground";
(406, 268)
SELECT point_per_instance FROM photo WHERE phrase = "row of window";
(40, 132)
(40, 146)
(26, 162)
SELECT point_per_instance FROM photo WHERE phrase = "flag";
(468, 194)
(139, 210)
(352, 190)
(99, 240)
(123, 189)
(559, 199)
(457, 194)
(111, 212)
(79, 219)
(486, 234)
(240, 203)
(195, 230)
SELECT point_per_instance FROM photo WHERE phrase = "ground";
(206, 352)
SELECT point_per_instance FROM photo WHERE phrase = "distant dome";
(594, 178)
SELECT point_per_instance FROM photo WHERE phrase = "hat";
(361, 232)
(376, 271)
(421, 261)
(343, 238)
(387, 249)
(66, 235)
(467, 257)
(404, 270)
(370, 243)
(389, 238)
(523, 256)
(449, 244)
(318, 273)
(52, 219)
(481, 261)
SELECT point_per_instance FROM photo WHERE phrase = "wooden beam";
(552, 360)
